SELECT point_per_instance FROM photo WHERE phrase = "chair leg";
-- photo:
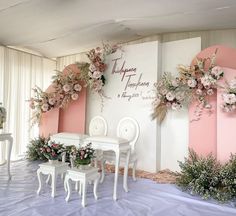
(103, 162)
(134, 170)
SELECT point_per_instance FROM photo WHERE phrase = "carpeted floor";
(145, 198)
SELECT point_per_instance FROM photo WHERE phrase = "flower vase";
(83, 166)
(54, 161)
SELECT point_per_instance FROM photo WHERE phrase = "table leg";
(96, 186)
(126, 169)
(117, 152)
(10, 139)
(68, 189)
(54, 180)
(40, 181)
(84, 193)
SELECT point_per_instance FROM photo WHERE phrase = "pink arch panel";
(215, 133)
(71, 119)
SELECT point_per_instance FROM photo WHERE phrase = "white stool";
(51, 169)
(83, 176)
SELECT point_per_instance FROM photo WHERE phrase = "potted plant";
(82, 156)
(52, 151)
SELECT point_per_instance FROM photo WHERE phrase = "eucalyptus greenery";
(206, 177)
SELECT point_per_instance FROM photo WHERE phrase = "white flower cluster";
(229, 97)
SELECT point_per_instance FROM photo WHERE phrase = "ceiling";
(62, 27)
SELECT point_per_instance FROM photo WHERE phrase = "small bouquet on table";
(52, 151)
(82, 157)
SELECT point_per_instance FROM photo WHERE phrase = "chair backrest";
(98, 126)
(128, 128)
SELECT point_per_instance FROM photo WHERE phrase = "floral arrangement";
(93, 72)
(3, 115)
(68, 86)
(206, 177)
(34, 149)
(229, 97)
(170, 94)
(196, 82)
(51, 150)
(83, 155)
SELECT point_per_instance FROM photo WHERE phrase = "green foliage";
(34, 149)
(206, 177)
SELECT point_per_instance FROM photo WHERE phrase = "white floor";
(145, 198)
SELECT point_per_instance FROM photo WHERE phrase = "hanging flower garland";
(196, 82)
(67, 86)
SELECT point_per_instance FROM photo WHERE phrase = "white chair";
(98, 126)
(128, 129)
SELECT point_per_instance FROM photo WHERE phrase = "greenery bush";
(206, 177)
(34, 149)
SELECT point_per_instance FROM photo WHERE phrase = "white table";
(7, 137)
(118, 145)
(51, 169)
(103, 143)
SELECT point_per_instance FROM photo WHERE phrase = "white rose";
(92, 67)
(74, 96)
(45, 107)
(170, 96)
(97, 74)
(51, 101)
(66, 88)
(217, 71)
(77, 87)
(232, 84)
(192, 83)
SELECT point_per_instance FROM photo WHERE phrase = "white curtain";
(19, 73)
(64, 61)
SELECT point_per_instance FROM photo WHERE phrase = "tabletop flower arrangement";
(3, 115)
(52, 150)
(83, 155)
(229, 97)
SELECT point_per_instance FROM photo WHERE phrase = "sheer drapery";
(19, 73)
